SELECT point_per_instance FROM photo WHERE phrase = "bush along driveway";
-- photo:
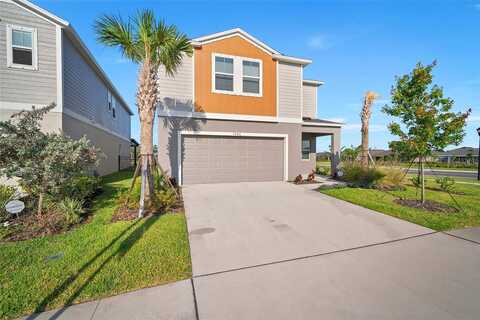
(95, 260)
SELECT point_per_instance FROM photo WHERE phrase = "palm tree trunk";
(364, 156)
(146, 103)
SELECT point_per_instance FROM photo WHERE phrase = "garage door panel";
(214, 159)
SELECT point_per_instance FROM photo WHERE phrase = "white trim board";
(240, 117)
(230, 134)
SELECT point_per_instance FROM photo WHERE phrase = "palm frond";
(114, 31)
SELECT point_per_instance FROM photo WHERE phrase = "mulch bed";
(128, 214)
(429, 205)
(307, 182)
(28, 226)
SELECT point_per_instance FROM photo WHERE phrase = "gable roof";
(72, 34)
(198, 42)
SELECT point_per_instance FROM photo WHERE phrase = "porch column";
(335, 150)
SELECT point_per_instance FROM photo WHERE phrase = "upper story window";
(21, 47)
(224, 74)
(110, 100)
(251, 77)
(236, 75)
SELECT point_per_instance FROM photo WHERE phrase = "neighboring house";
(462, 154)
(238, 110)
(42, 60)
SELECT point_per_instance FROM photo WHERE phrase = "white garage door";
(215, 159)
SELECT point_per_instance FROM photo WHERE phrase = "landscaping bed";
(96, 259)
(444, 217)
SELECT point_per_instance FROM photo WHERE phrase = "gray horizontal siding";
(28, 86)
(309, 101)
(86, 94)
(289, 90)
(176, 92)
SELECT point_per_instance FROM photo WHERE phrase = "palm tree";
(370, 97)
(150, 43)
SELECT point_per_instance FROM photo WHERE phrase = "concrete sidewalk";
(433, 276)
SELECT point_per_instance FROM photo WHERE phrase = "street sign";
(14, 206)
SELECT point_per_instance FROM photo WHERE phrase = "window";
(306, 148)
(223, 74)
(109, 100)
(21, 47)
(251, 76)
(113, 113)
(236, 75)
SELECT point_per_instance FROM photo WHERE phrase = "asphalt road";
(449, 173)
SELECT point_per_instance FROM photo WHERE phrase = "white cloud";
(372, 127)
(319, 42)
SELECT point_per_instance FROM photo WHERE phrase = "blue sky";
(355, 46)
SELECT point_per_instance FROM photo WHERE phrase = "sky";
(355, 46)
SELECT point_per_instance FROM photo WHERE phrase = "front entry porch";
(313, 128)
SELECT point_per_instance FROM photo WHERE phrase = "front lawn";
(95, 260)
(383, 202)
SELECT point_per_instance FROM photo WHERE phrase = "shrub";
(324, 171)
(165, 199)
(71, 210)
(6, 194)
(416, 181)
(354, 174)
(80, 188)
(392, 179)
(447, 184)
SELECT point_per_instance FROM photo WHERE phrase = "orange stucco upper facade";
(206, 97)
(234, 75)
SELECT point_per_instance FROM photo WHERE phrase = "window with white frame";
(236, 75)
(21, 47)
(306, 147)
(251, 76)
(224, 74)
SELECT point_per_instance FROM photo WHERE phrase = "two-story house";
(43, 60)
(238, 110)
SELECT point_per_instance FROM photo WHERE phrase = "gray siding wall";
(289, 90)
(309, 101)
(111, 145)
(86, 94)
(176, 93)
(28, 86)
(168, 140)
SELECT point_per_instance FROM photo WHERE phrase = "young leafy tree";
(43, 162)
(149, 43)
(428, 122)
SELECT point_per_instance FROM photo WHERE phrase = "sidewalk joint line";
(194, 299)
(95, 310)
(314, 255)
(461, 238)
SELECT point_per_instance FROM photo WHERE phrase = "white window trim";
(237, 75)
(10, 63)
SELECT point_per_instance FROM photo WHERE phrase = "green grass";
(98, 259)
(383, 202)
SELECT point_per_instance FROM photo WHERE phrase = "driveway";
(279, 251)
(240, 225)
